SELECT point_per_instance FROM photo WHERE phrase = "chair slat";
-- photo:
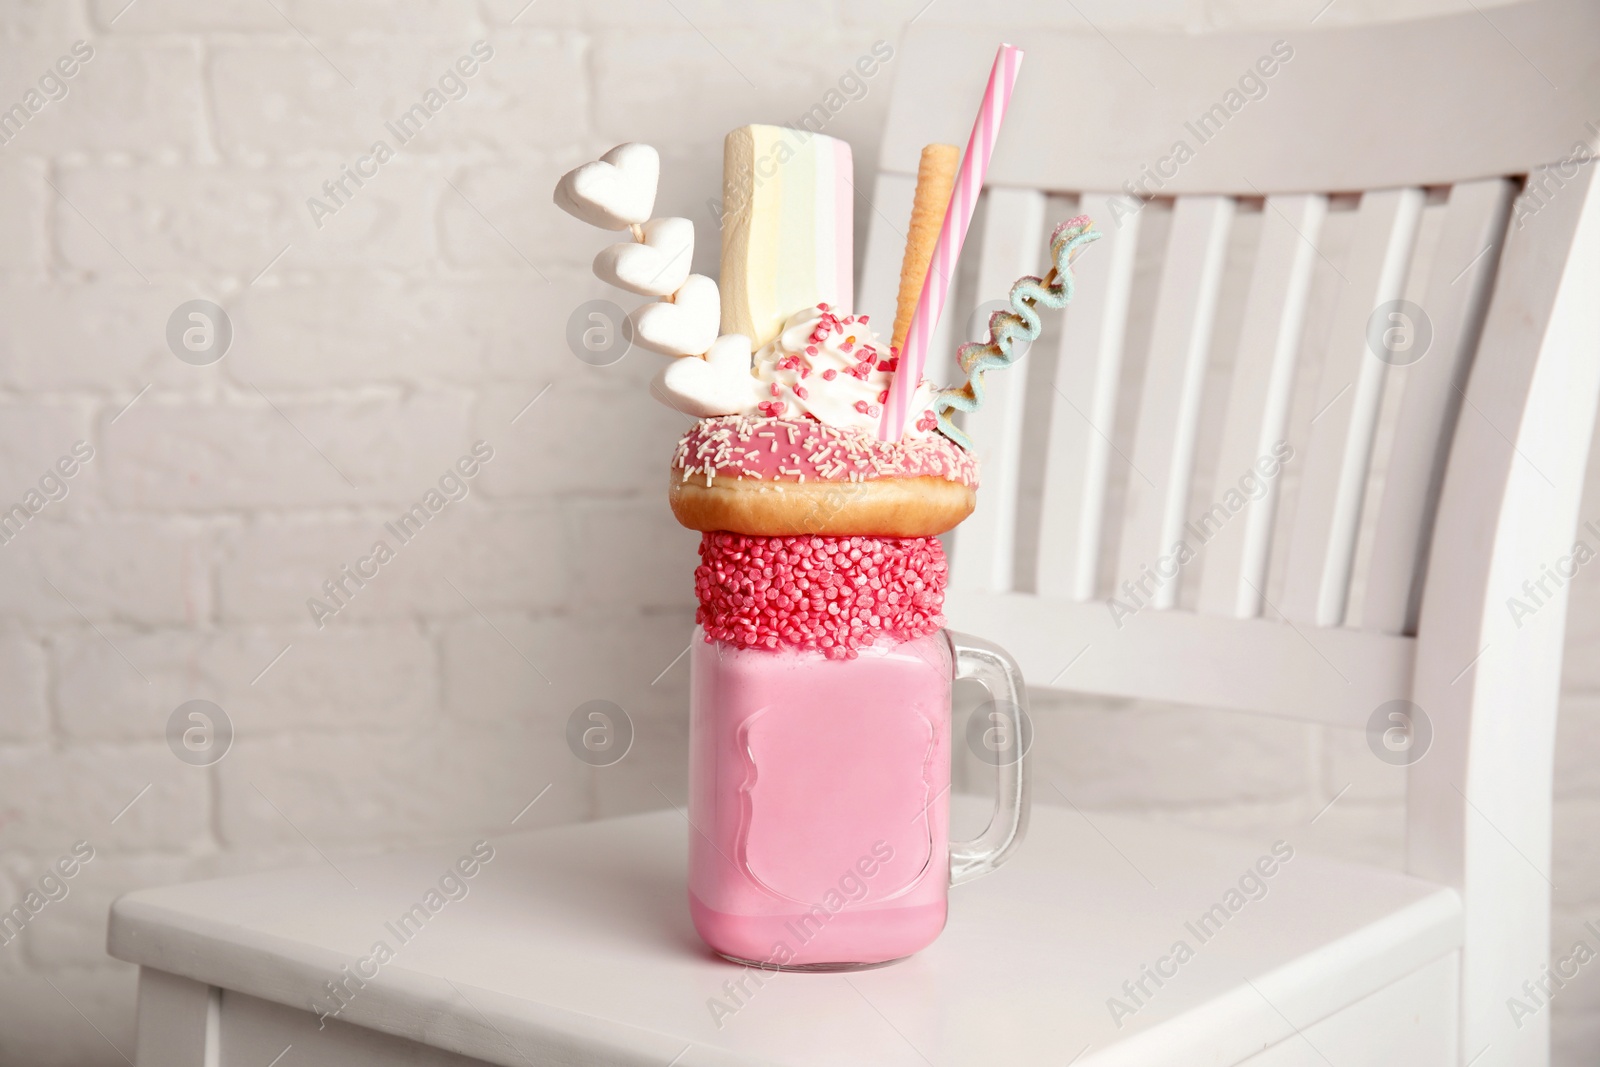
(1234, 564)
(1083, 406)
(1384, 129)
(1334, 474)
(886, 246)
(1455, 303)
(1330, 676)
(985, 545)
(1169, 409)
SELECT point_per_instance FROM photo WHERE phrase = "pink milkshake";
(821, 674)
(820, 799)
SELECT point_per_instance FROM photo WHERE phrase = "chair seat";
(578, 938)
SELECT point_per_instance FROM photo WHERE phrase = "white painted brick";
(284, 452)
(549, 666)
(12, 954)
(1573, 1037)
(284, 100)
(359, 18)
(42, 1028)
(1348, 760)
(528, 96)
(510, 557)
(74, 795)
(1260, 823)
(655, 771)
(891, 15)
(34, 437)
(144, 101)
(100, 695)
(1264, 821)
(539, 13)
(1576, 871)
(355, 331)
(579, 440)
(94, 336)
(1568, 926)
(387, 226)
(500, 557)
(1104, 14)
(1225, 14)
(487, 221)
(521, 327)
(633, 555)
(24, 715)
(71, 932)
(22, 192)
(1581, 667)
(691, 187)
(183, 16)
(623, 16)
(1592, 483)
(1149, 14)
(361, 330)
(505, 667)
(1105, 752)
(711, 92)
(139, 570)
(343, 677)
(235, 221)
(1577, 742)
(269, 568)
(1356, 831)
(365, 787)
(47, 21)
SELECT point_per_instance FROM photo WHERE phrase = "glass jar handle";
(990, 666)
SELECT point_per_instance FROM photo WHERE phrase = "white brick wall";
(367, 358)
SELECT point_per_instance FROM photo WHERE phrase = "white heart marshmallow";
(719, 384)
(614, 192)
(657, 267)
(685, 327)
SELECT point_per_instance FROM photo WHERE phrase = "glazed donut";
(773, 477)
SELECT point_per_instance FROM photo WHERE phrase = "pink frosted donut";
(804, 450)
(776, 477)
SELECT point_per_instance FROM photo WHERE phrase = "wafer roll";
(936, 177)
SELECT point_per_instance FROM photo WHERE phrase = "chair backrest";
(1320, 406)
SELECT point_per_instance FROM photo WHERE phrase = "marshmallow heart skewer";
(656, 263)
(719, 384)
(617, 192)
(614, 192)
(684, 324)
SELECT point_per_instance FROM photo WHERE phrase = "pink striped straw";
(942, 265)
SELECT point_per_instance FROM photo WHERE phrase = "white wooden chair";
(574, 945)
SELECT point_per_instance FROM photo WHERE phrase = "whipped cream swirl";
(834, 369)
